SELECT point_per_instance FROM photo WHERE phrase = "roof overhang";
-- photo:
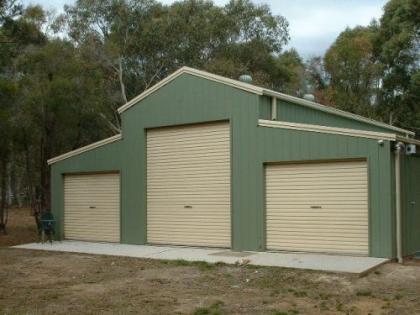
(334, 111)
(337, 131)
(84, 149)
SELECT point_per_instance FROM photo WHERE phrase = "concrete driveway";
(323, 262)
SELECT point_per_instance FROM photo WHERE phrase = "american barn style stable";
(203, 160)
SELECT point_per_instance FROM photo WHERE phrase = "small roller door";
(92, 207)
(317, 207)
(188, 185)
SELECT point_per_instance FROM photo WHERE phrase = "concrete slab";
(331, 263)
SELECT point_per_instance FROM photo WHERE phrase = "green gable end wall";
(189, 100)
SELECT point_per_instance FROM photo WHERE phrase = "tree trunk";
(3, 187)
(45, 175)
(29, 175)
(121, 79)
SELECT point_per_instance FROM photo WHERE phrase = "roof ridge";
(260, 91)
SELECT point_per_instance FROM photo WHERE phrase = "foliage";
(398, 49)
(63, 77)
(353, 70)
(374, 70)
(140, 42)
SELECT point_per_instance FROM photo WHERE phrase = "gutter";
(84, 149)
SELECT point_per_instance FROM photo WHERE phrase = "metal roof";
(259, 91)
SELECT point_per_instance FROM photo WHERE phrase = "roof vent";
(245, 78)
(309, 97)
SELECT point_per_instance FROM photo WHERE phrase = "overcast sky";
(314, 24)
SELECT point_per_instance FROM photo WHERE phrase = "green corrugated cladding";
(188, 100)
(300, 114)
(411, 204)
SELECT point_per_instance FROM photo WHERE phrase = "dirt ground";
(21, 228)
(39, 282)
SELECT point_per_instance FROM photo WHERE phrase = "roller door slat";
(81, 222)
(317, 207)
(188, 185)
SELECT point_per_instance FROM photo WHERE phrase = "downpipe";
(398, 209)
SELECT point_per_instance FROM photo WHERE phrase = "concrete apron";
(322, 262)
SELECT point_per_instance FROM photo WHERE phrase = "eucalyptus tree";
(141, 41)
(398, 49)
(354, 73)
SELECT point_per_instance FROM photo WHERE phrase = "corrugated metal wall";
(411, 204)
(189, 100)
(300, 114)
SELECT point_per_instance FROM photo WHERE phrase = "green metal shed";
(203, 160)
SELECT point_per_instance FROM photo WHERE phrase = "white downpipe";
(273, 108)
(398, 148)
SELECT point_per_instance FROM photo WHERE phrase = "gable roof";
(259, 91)
(85, 149)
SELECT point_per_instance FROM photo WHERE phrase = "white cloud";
(313, 34)
(314, 24)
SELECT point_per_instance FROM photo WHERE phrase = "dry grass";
(21, 228)
(38, 282)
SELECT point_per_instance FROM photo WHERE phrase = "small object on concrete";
(229, 253)
(46, 226)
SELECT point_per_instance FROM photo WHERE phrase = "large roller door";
(92, 207)
(188, 185)
(317, 207)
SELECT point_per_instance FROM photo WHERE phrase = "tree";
(140, 42)
(62, 79)
(7, 91)
(398, 49)
(9, 45)
(353, 70)
(292, 69)
(318, 81)
(60, 99)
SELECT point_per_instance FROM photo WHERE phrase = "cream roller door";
(317, 207)
(188, 185)
(92, 207)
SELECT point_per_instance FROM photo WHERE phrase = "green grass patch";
(398, 297)
(213, 309)
(364, 293)
(289, 312)
(202, 265)
(180, 262)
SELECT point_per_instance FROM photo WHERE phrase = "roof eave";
(84, 149)
(198, 73)
(259, 91)
(334, 111)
